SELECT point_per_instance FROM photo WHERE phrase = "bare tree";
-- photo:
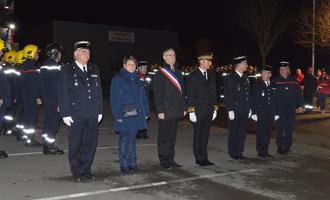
(265, 20)
(322, 25)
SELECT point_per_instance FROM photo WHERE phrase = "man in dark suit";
(201, 105)
(237, 103)
(263, 110)
(169, 96)
(81, 108)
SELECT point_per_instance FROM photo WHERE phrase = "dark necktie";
(205, 77)
(84, 67)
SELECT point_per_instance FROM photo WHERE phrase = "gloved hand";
(192, 117)
(1, 102)
(231, 115)
(250, 113)
(120, 120)
(161, 116)
(99, 118)
(214, 115)
(68, 120)
(276, 117)
(254, 117)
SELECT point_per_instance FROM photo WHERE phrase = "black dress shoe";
(204, 163)
(165, 166)
(125, 170)
(261, 155)
(281, 151)
(138, 136)
(208, 162)
(145, 137)
(174, 164)
(234, 157)
(269, 156)
(3, 154)
(242, 157)
(133, 169)
(88, 176)
(77, 178)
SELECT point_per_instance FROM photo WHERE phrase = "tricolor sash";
(172, 77)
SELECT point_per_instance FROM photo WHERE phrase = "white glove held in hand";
(254, 117)
(214, 115)
(276, 117)
(231, 115)
(99, 118)
(192, 117)
(68, 120)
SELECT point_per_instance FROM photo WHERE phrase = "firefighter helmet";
(30, 51)
(10, 56)
(53, 50)
(20, 57)
(2, 44)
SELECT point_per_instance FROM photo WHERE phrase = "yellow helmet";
(10, 56)
(30, 51)
(20, 57)
(2, 44)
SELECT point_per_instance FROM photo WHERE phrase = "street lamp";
(11, 26)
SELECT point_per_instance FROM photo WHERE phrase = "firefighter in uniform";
(202, 105)
(81, 108)
(288, 97)
(237, 103)
(11, 74)
(19, 99)
(146, 80)
(263, 110)
(4, 94)
(30, 84)
(49, 75)
(169, 96)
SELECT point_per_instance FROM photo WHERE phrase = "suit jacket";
(237, 93)
(262, 98)
(79, 93)
(168, 99)
(201, 93)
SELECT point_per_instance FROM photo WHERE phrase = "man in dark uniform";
(169, 96)
(202, 105)
(12, 77)
(310, 83)
(263, 110)
(81, 108)
(237, 103)
(4, 94)
(49, 75)
(146, 80)
(30, 82)
(288, 97)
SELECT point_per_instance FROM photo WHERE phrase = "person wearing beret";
(81, 108)
(202, 105)
(263, 110)
(288, 97)
(237, 104)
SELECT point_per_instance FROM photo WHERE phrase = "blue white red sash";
(172, 77)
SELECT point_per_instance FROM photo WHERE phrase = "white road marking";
(148, 185)
(98, 148)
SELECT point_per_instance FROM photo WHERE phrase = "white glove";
(214, 115)
(250, 113)
(276, 117)
(192, 117)
(254, 117)
(1, 102)
(68, 120)
(231, 115)
(99, 118)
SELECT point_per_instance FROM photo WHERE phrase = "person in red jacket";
(300, 77)
(322, 90)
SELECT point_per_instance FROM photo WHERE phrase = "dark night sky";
(213, 20)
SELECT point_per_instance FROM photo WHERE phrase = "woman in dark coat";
(130, 111)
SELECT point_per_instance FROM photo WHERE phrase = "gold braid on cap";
(190, 109)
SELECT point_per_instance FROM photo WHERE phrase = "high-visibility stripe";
(171, 77)
(55, 67)
(12, 71)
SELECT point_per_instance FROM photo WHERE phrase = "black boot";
(52, 150)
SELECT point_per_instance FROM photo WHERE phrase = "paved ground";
(302, 175)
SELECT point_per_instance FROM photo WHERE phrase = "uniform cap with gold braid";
(239, 59)
(206, 56)
(10, 56)
(20, 57)
(30, 51)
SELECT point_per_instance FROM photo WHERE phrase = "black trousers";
(237, 134)
(30, 108)
(263, 128)
(201, 135)
(52, 119)
(285, 126)
(167, 139)
(82, 138)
